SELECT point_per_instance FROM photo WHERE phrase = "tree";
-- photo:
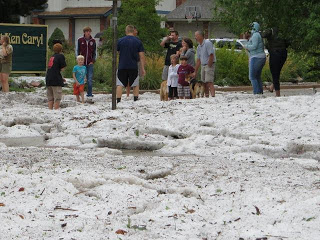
(143, 15)
(297, 20)
(10, 10)
(56, 35)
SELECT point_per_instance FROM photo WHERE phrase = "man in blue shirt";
(131, 51)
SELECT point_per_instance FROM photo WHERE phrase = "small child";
(172, 82)
(54, 80)
(184, 70)
(79, 76)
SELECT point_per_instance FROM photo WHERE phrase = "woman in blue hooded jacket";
(257, 58)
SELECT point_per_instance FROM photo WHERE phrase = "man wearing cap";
(206, 58)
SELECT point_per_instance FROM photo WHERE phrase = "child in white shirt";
(172, 82)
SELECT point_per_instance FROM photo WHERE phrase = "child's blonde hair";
(80, 57)
(174, 56)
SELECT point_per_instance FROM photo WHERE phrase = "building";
(71, 16)
(193, 15)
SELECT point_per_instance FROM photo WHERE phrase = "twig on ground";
(42, 191)
(66, 209)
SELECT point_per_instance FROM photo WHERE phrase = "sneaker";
(89, 100)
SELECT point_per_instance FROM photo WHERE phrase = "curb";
(236, 89)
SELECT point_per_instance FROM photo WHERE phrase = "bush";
(298, 67)
(231, 67)
(103, 73)
(153, 78)
(71, 62)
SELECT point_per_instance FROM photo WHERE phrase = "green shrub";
(299, 66)
(56, 35)
(153, 78)
(71, 62)
(103, 73)
(231, 67)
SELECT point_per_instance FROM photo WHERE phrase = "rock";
(36, 84)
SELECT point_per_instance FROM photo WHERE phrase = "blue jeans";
(255, 70)
(89, 79)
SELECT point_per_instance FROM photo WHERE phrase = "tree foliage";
(10, 10)
(56, 35)
(143, 15)
(297, 20)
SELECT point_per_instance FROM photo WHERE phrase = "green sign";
(29, 46)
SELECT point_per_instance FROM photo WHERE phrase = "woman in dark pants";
(277, 48)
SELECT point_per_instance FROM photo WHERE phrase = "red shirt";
(182, 71)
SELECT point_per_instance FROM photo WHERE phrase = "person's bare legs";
(206, 90)
(119, 92)
(136, 91)
(56, 105)
(211, 89)
(82, 97)
(50, 105)
(128, 90)
(78, 98)
(4, 82)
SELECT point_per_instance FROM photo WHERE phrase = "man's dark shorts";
(125, 76)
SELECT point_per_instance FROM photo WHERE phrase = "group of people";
(132, 63)
(277, 48)
(82, 73)
(175, 74)
(131, 66)
(206, 59)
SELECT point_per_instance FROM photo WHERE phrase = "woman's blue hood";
(255, 27)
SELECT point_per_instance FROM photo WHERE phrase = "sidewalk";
(286, 86)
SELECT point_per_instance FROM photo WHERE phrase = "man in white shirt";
(206, 58)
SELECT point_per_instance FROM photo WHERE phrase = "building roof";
(78, 12)
(179, 14)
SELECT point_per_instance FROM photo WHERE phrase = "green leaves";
(297, 20)
(10, 9)
(56, 35)
(309, 219)
(143, 15)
